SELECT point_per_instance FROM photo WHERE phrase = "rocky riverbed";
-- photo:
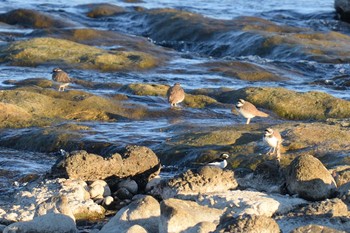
(110, 155)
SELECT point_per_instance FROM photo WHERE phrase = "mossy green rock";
(103, 9)
(290, 104)
(60, 52)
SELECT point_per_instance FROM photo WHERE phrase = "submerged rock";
(60, 52)
(343, 9)
(308, 178)
(103, 9)
(33, 19)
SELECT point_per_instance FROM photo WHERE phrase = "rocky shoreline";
(104, 186)
(299, 197)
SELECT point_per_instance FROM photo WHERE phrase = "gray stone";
(251, 224)
(307, 177)
(180, 216)
(144, 212)
(49, 223)
(136, 229)
(129, 184)
(99, 189)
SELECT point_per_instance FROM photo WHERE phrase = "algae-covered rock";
(63, 52)
(292, 105)
(41, 106)
(103, 10)
(242, 70)
(34, 19)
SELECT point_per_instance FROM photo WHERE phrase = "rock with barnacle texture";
(138, 162)
(204, 180)
(308, 178)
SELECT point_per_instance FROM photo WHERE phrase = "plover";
(175, 94)
(274, 140)
(219, 162)
(58, 75)
(248, 110)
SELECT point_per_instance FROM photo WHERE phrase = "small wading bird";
(219, 162)
(61, 77)
(274, 140)
(248, 110)
(175, 94)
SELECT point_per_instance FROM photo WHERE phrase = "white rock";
(46, 197)
(136, 229)
(99, 189)
(129, 184)
(251, 202)
(144, 212)
(53, 223)
(108, 200)
(153, 183)
(181, 216)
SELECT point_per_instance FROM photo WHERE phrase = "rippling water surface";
(298, 73)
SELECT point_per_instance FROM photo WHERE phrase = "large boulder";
(180, 216)
(144, 211)
(137, 161)
(307, 177)
(206, 180)
(53, 223)
(316, 229)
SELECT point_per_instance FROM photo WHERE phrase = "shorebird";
(175, 94)
(219, 162)
(248, 110)
(58, 75)
(274, 140)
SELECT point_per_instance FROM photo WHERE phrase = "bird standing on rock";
(248, 110)
(58, 75)
(175, 94)
(274, 140)
(219, 162)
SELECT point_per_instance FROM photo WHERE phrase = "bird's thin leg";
(248, 121)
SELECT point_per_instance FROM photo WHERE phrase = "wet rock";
(290, 104)
(251, 224)
(202, 227)
(129, 184)
(123, 193)
(99, 189)
(82, 165)
(343, 192)
(36, 106)
(207, 179)
(144, 211)
(103, 10)
(60, 52)
(242, 70)
(179, 215)
(64, 196)
(316, 229)
(343, 9)
(33, 19)
(308, 178)
(54, 223)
